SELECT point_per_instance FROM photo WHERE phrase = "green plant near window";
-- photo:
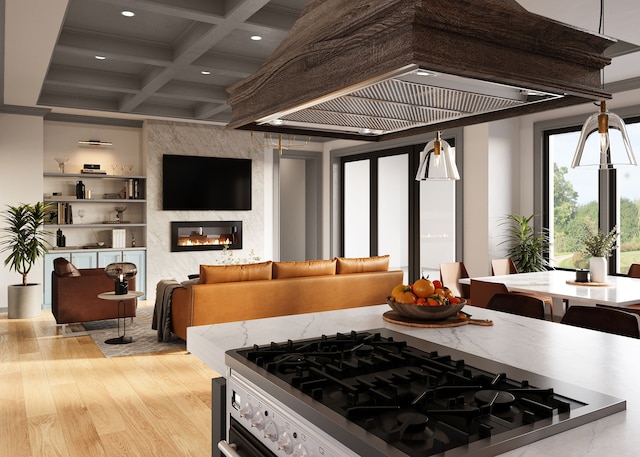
(598, 244)
(23, 237)
(526, 248)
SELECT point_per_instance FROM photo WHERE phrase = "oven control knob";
(300, 451)
(246, 411)
(271, 431)
(285, 443)
(257, 420)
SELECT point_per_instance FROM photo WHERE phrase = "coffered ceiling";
(155, 62)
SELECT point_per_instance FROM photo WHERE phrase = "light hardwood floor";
(62, 397)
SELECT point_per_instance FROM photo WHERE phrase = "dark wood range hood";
(382, 69)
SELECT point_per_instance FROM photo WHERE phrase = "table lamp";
(121, 272)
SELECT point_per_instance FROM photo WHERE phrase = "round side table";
(120, 339)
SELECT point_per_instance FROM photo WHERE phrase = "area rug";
(145, 339)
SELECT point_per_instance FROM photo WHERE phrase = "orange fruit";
(408, 298)
(423, 288)
(397, 290)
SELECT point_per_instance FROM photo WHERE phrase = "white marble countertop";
(594, 360)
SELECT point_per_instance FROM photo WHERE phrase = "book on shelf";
(60, 197)
(118, 238)
(64, 214)
(92, 171)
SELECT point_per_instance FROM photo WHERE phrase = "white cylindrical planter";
(598, 269)
(24, 301)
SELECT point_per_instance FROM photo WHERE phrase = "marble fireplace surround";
(205, 235)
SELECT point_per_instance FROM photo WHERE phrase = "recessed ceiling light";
(256, 37)
(205, 72)
(128, 13)
(101, 58)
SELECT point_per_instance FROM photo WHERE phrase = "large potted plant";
(25, 241)
(598, 245)
(525, 247)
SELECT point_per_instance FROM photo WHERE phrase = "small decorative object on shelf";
(60, 239)
(80, 190)
(120, 216)
(61, 163)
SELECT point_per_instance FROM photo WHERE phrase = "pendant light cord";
(601, 32)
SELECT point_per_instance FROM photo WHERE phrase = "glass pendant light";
(602, 122)
(437, 162)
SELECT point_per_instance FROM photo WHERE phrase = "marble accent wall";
(162, 137)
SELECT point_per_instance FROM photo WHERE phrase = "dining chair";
(482, 291)
(523, 305)
(450, 274)
(634, 270)
(604, 319)
(508, 267)
(503, 267)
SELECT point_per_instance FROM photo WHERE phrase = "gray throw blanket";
(162, 310)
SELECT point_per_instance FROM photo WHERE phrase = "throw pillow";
(362, 264)
(212, 274)
(282, 270)
(63, 267)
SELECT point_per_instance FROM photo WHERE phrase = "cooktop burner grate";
(423, 398)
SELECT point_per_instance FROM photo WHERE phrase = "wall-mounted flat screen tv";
(205, 183)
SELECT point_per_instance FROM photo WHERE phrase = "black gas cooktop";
(422, 398)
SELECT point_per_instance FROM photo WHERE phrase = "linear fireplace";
(205, 235)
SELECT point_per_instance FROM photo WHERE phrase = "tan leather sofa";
(74, 294)
(269, 289)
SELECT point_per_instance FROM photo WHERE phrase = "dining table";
(561, 285)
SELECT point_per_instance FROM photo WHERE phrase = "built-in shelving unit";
(97, 211)
(88, 239)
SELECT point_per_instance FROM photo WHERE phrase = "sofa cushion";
(282, 270)
(211, 274)
(63, 267)
(362, 264)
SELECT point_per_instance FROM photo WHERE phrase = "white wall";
(21, 144)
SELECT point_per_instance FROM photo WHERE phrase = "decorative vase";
(24, 302)
(598, 269)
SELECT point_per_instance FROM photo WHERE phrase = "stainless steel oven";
(260, 425)
(242, 444)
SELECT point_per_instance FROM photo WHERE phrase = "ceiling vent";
(382, 69)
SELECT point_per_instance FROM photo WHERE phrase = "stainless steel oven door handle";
(228, 449)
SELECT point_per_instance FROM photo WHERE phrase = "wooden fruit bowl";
(427, 313)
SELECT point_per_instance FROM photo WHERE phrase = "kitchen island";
(593, 360)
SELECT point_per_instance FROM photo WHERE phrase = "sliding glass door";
(386, 211)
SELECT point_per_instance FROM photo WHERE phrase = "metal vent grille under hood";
(375, 70)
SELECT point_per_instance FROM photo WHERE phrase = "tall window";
(586, 196)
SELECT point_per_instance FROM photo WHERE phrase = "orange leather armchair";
(74, 294)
